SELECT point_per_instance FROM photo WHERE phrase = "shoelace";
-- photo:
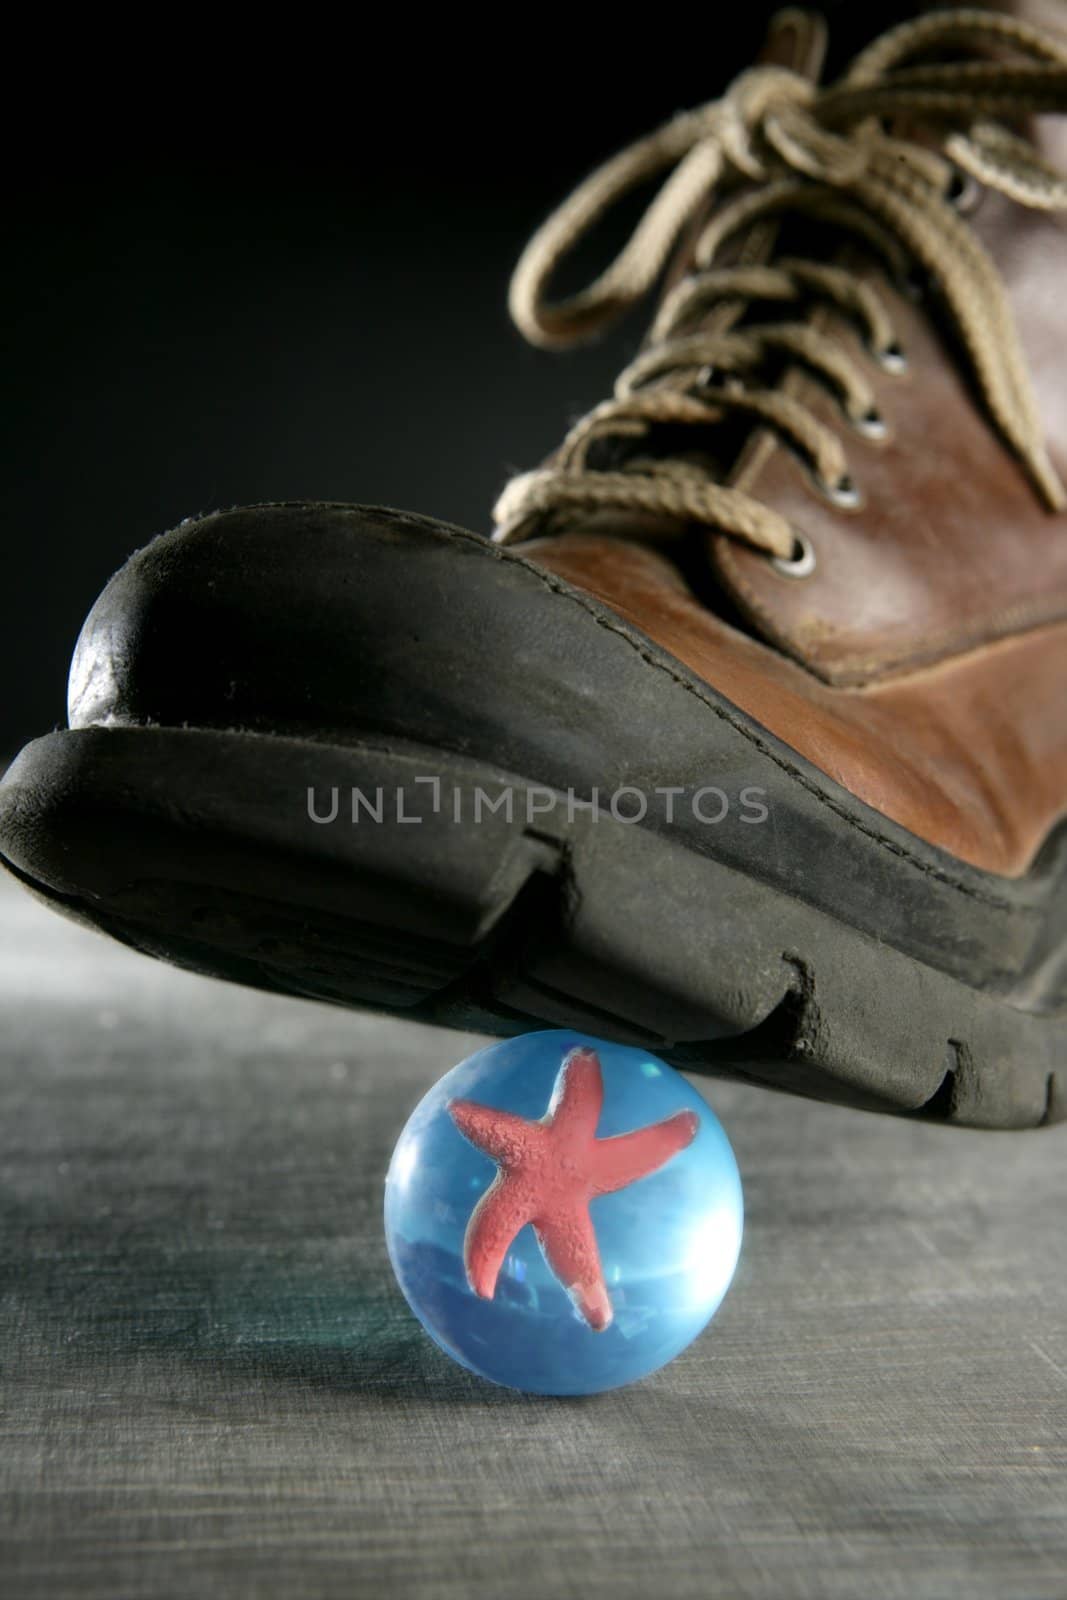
(787, 148)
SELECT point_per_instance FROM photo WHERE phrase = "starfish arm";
(616, 1162)
(501, 1213)
(500, 1134)
(568, 1241)
(578, 1095)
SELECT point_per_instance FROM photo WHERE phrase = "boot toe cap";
(281, 617)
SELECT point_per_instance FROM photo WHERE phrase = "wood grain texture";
(211, 1386)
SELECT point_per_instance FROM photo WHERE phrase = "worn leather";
(923, 664)
(970, 755)
(951, 546)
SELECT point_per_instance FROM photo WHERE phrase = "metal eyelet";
(892, 359)
(844, 494)
(801, 564)
(914, 283)
(964, 192)
(872, 425)
(715, 378)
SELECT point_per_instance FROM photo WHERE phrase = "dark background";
(276, 267)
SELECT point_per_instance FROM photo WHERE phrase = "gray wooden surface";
(211, 1387)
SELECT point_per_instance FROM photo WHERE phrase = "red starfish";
(549, 1172)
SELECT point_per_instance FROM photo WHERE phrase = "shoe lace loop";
(779, 146)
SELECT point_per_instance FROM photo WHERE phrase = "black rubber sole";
(197, 846)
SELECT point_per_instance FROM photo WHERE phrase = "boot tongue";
(797, 40)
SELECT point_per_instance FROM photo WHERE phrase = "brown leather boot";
(746, 739)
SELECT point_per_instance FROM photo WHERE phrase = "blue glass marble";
(638, 1267)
